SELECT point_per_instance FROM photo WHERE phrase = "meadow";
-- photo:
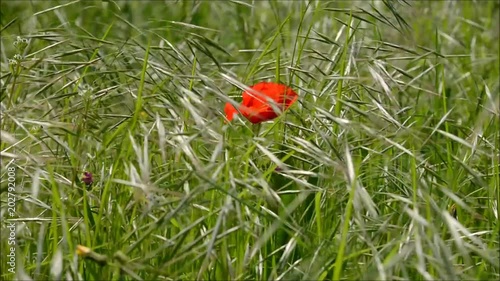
(118, 162)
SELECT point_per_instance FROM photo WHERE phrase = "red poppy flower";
(256, 105)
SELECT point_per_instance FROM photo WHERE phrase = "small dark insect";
(87, 178)
(453, 211)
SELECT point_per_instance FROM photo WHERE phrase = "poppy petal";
(230, 111)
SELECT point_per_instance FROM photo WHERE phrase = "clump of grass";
(386, 168)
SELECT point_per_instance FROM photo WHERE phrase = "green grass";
(389, 161)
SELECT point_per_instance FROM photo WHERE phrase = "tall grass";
(386, 168)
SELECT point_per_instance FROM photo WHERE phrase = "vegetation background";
(387, 168)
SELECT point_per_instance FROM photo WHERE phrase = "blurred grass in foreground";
(388, 163)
